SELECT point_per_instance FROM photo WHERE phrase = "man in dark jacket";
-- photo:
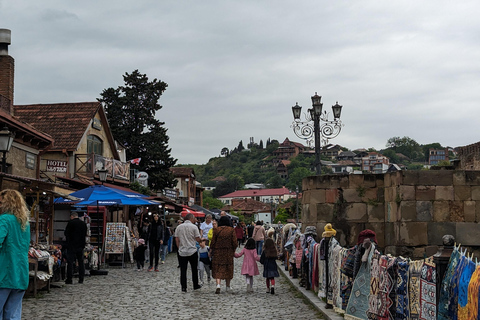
(155, 239)
(75, 232)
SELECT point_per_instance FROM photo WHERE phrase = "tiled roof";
(181, 171)
(65, 122)
(247, 206)
(258, 193)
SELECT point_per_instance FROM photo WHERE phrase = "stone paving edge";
(314, 300)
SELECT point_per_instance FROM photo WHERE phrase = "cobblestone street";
(129, 294)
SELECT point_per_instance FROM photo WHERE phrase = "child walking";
(139, 254)
(268, 259)
(249, 266)
(203, 261)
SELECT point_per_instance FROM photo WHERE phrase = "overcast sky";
(234, 69)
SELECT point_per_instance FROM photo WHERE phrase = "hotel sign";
(56, 166)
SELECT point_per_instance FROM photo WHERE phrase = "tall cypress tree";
(131, 111)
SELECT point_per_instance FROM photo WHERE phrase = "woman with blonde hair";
(14, 246)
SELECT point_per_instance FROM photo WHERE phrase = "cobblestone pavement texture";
(129, 294)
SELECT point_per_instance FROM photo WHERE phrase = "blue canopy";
(105, 196)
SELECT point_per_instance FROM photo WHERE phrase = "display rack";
(115, 239)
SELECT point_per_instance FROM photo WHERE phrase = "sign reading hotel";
(56, 166)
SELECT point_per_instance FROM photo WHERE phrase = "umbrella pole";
(98, 272)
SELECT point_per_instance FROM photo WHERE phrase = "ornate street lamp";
(317, 129)
(102, 175)
(6, 141)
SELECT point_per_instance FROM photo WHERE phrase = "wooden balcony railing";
(89, 164)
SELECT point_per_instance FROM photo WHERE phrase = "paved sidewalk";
(128, 294)
(311, 296)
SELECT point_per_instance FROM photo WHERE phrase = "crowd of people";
(210, 248)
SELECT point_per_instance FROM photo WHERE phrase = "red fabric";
(367, 234)
(239, 232)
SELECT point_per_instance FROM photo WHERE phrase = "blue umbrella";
(118, 202)
(91, 194)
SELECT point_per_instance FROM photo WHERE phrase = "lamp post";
(296, 202)
(6, 141)
(317, 129)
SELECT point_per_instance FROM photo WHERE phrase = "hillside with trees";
(234, 168)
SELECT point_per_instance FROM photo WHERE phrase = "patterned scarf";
(415, 269)
(428, 291)
(402, 305)
(473, 287)
(358, 303)
(445, 290)
(463, 290)
(454, 284)
(381, 285)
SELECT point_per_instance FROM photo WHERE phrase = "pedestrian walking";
(210, 233)
(75, 232)
(186, 236)
(204, 261)
(239, 233)
(206, 226)
(139, 254)
(164, 243)
(155, 239)
(259, 235)
(268, 259)
(224, 243)
(249, 266)
(250, 228)
(14, 246)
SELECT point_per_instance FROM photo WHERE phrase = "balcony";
(89, 164)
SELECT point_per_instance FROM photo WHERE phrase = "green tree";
(281, 216)
(212, 203)
(407, 146)
(295, 178)
(392, 155)
(131, 111)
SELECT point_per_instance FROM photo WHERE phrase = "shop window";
(94, 145)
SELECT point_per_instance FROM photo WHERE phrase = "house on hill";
(286, 150)
(277, 195)
(247, 207)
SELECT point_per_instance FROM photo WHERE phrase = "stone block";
(309, 213)
(407, 192)
(436, 230)
(390, 194)
(370, 195)
(477, 211)
(476, 193)
(380, 232)
(410, 178)
(467, 233)
(331, 195)
(391, 212)
(456, 211)
(463, 193)
(441, 211)
(418, 253)
(376, 213)
(424, 211)
(306, 196)
(389, 234)
(469, 211)
(387, 179)
(444, 193)
(381, 194)
(344, 182)
(356, 180)
(425, 193)
(408, 210)
(324, 212)
(380, 182)
(321, 182)
(472, 178)
(317, 196)
(414, 233)
(435, 177)
(351, 195)
(334, 181)
(356, 212)
(459, 178)
(369, 180)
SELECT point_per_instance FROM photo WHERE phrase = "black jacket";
(75, 232)
(155, 232)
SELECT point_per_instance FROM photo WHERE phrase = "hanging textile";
(381, 286)
(401, 290)
(445, 290)
(321, 272)
(463, 289)
(315, 278)
(331, 261)
(454, 283)
(414, 269)
(473, 287)
(337, 297)
(428, 290)
(358, 303)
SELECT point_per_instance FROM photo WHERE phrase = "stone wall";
(469, 157)
(410, 211)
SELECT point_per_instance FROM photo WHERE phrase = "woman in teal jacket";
(14, 246)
